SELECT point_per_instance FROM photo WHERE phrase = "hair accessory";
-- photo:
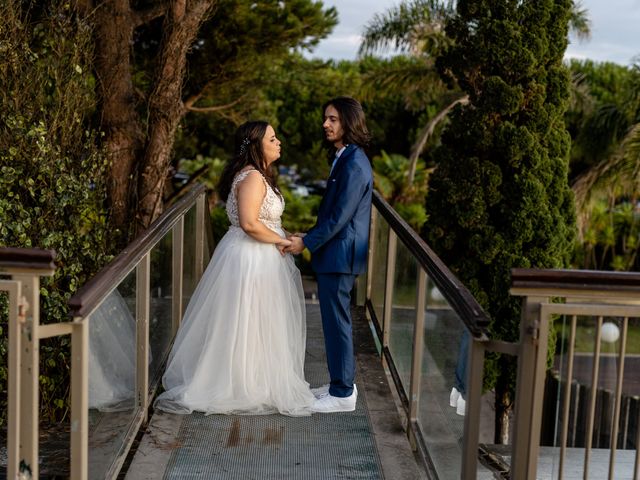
(244, 144)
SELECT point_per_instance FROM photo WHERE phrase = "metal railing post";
(388, 287)
(177, 270)
(29, 368)
(475, 374)
(532, 360)
(372, 246)
(80, 399)
(418, 346)
(16, 313)
(200, 236)
(142, 333)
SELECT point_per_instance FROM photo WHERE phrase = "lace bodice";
(270, 210)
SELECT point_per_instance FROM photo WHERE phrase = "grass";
(586, 333)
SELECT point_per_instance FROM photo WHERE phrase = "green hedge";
(52, 191)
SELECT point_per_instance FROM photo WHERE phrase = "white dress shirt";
(338, 153)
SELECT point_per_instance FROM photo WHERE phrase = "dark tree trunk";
(503, 406)
(124, 135)
(140, 152)
(166, 107)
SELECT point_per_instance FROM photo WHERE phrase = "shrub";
(52, 191)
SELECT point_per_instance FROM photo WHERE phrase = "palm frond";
(603, 130)
(618, 175)
(417, 79)
(579, 21)
(415, 26)
(580, 98)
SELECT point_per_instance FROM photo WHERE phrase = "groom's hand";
(296, 247)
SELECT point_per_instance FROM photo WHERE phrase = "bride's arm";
(251, 192)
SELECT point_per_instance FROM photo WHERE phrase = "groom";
(338, 243)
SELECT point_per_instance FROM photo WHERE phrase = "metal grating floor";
(275, 447)
(323, 446)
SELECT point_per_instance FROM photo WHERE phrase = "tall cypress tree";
(500, 198)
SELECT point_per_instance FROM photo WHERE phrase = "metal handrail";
(89, 296)
(25, 332)
(476, 321)
(458, 296)
(585, 280)
(13, 258)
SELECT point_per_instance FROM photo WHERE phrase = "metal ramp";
(366, 444)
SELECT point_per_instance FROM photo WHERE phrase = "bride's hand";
(282, 244)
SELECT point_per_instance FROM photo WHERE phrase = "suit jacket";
(339, 240)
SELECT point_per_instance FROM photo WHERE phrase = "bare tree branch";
(214, 108)
(426, 132)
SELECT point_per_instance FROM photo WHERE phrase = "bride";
(241, 346)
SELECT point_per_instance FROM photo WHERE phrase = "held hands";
(282, 245)
(296, 244)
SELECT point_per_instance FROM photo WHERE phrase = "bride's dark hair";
(247, 151)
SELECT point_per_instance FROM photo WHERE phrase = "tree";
(499, 197)
(144, 50)
(417, 27)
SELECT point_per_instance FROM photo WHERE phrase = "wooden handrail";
(89, 296)
(575, 279)
(13, 258)
(458, 296)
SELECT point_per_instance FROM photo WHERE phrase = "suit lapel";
(342, 160)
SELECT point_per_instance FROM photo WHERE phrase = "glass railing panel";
(378, 272)
(160, 295)
(189, 280)
(445, 350)
(112, 375)
(55, 425)
(571, 375)
(403, 313)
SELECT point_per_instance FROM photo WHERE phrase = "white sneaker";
(453, 398)
(322, 391)
(461, 406)
(331, 404)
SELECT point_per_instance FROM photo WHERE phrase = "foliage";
(52, 188)
(300, 212)
(499, 197)
(610, 238)
(292, 92)
(612, 106)
(390, 173)
(606, 151)
(242, 51)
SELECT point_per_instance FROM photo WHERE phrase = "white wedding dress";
(241, 346)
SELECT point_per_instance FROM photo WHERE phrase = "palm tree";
(612, 132)
(417, 28)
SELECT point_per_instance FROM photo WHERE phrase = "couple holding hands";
(241, 346)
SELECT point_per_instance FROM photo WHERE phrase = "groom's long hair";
(353, 123)
(248, 151)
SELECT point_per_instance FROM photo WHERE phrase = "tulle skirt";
(241, 346)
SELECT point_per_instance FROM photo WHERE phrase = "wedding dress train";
(241, 346)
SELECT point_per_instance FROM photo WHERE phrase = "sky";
(615, 26)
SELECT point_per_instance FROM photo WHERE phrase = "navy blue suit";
(338, 244)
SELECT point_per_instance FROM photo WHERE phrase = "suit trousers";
(334, 293)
